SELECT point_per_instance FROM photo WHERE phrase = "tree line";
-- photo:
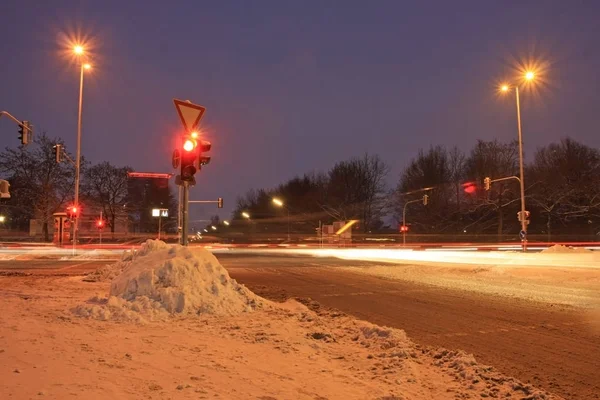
(562, 190)
(40, 186)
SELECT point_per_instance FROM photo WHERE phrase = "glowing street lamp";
(529, 76)
(2, 219)
(214, 228)
(246, 215)
(79, 51)
(226, 223)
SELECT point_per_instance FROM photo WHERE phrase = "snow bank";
(559, 248)
(161, 280)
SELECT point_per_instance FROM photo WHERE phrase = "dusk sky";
(293, 87)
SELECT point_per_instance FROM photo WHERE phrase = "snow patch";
(161, 280)
(559, 248)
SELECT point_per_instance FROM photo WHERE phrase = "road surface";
(553, 347)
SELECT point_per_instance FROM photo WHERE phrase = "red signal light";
(469, 187)
(403, 228)
(100, 223)
(189, 145)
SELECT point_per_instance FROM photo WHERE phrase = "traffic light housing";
(425, 199)
(403, 228)
(100, 224)
(203, 147)
(520, 216)
(487, 182)
(24, 132)
(58, 152)
(220, 202)
(73, 212)
(189, 156)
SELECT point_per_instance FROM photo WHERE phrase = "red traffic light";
(100, 223)
(403, 228)
(73, 212)
(189, 145)
(469, 187)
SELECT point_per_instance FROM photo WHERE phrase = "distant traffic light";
(189, 156)
(100, 224)
(403, 228)
(220, 202)
(520, 216)
(73, 212)
(25, 130)
(425, 199)
(487, 182)
(58, 152)
(469, 187)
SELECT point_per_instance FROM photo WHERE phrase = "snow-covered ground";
(173, 324)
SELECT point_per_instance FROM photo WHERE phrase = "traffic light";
(487, 182)
(73, 212)
(403, 228)
(189, 156)
(24, 132)
(469, 187)
(220, 202)
(204, 147)
(100, 224)
(425, 199)
(58, 152)
(520, 216)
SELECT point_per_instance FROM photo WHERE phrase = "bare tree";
(106, 185)
(39, 184)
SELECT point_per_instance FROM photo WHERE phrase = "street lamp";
(2, 219)
(226, 223)
(79, 51)
(279, 203)
(246, 215)
(529, 76)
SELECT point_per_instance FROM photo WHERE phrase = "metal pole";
(404, 225)
(521, 173)
(288, 223)
(184, 217)
(159, 223)
(78, 161)
(100, 230)
(179, 210)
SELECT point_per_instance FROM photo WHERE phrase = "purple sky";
(292, 87)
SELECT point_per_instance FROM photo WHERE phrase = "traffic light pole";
(185, 214)
(404, 220)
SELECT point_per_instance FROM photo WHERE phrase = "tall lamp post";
(79, 51)
(279, 203)
(529, 76)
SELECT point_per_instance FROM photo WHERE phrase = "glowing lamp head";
(78, 49)
(194, 134)
(87, 66)
(504, 88)
(278, 202)
(529, 75)
(189, 145)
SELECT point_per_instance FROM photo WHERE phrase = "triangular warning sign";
(189, 113)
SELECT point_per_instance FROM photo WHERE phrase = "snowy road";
(553, 346)
(553, 342)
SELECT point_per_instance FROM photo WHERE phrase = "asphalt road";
(555, 348)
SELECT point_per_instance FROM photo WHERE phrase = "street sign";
(522, 235)
(190, 114)
(176, 158)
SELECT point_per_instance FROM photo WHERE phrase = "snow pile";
(559, 248)
(111, 271)
(161, 280)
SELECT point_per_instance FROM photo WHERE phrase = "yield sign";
(189, 113)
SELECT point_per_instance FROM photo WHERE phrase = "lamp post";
(529, 76)
(279, 203)
(79, 51)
